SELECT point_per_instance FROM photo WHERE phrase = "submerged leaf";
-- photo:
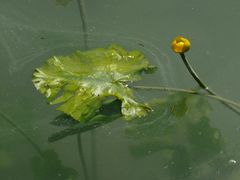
(82, 82)
(181, 131)
(106, 114)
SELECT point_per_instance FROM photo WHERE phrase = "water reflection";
(49, 166)
(46, 164)
(180, 131)
(106, 114)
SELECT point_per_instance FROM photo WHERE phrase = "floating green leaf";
(82, 82)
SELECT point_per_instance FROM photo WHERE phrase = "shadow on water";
(45, 165)
(179, 130)
(107, 114)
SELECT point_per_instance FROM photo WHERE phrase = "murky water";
(187, 137)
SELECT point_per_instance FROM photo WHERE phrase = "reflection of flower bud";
(180, 44)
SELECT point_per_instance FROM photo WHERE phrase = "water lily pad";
(83, 81)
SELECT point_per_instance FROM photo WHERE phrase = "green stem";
(204, 85)
(195, 76)
(82, 11)
(81, 155)
(94, 155)
(221, 99)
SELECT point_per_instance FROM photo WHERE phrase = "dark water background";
(190, 138)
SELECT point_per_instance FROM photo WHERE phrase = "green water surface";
(185, 138)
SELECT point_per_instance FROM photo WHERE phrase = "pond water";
(187, 137)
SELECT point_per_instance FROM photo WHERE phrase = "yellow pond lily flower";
(180, 44)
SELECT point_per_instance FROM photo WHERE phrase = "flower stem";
(195, 76)
(204, 85)
(221, 99)
(81, 155)
(82, 11)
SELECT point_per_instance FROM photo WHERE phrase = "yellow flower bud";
(180, 44)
